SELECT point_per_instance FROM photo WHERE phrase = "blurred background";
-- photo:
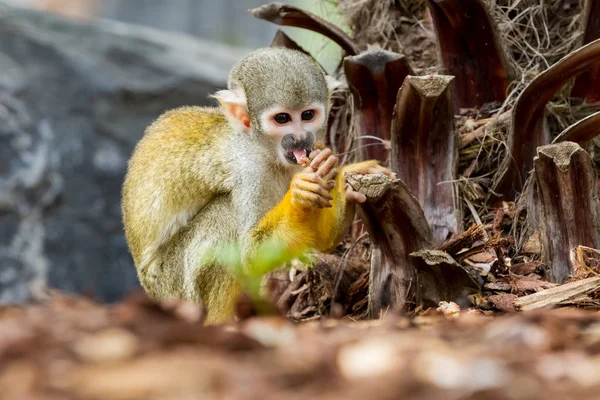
(225, 21)
(80, 80)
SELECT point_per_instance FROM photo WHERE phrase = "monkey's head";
(281, 95)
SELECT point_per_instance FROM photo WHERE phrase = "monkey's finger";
(356, 197)
(314, 153)
(353, 195)
(327, 166)
(314, 178)
(322, 156)
(305, 203)
(313, 188)
(323, 202)
(309, 199)
(331, 175)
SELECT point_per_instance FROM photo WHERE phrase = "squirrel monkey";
(202, 177)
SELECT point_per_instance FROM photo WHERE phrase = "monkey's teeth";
(299, 154)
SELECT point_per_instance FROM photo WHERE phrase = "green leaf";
(270, 255)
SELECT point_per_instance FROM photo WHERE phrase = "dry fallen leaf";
(525, 268)
(530, 283)
(503, 302)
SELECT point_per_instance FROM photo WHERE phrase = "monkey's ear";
(234, 106)
(332, 83)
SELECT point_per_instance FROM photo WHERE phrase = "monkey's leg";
(186, 272)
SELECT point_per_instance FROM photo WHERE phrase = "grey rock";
(74, 100)
(222, 20)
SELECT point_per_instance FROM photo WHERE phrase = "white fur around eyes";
(269, 126)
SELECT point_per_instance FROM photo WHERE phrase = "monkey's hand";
(311, 188)
(363, 168)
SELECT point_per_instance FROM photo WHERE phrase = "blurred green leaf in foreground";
(269, 256)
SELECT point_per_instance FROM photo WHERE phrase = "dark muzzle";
(289, 142)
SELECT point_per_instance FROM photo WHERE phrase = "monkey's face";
(294, 130)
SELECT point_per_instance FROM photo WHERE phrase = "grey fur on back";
(279, 76)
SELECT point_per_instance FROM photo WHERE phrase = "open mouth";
(295, 150)
(294, 156)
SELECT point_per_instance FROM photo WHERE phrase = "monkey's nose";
(293, 141)
(288, 142)
(299, 136)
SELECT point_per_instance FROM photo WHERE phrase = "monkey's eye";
(308, 115)
(282, 118)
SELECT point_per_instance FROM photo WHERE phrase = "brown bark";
(470, 51)
(374, 77)
(581, 132)
(565, 181)
(283, 40)
(528, 130)
(424, 154)
(441, 278)
(404, 271)
(587, 85)
(286, 15)
(397, 227)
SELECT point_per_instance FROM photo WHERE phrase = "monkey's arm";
(305, 219)
(288, 224)
(292, 223)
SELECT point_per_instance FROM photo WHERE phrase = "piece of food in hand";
(319, 146)
(305, 160)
